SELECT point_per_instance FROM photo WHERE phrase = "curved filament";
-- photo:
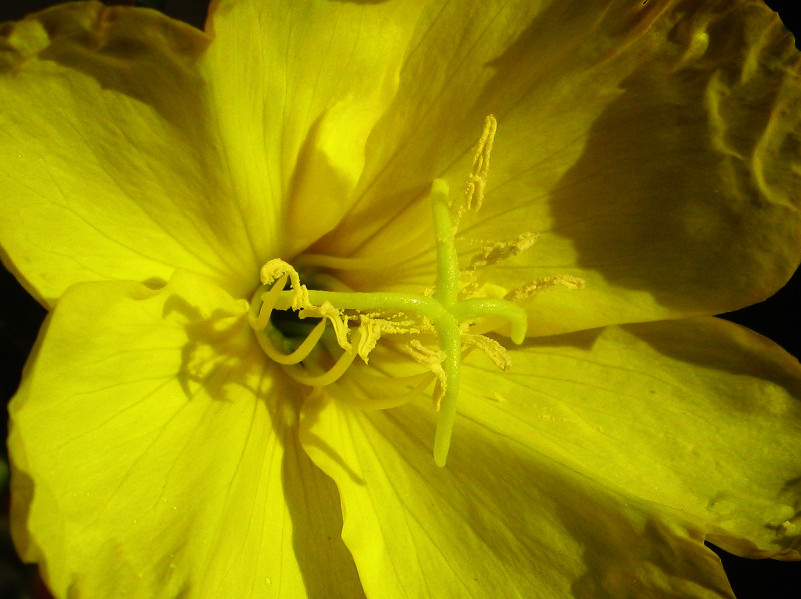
(330, 376)
(261, 321)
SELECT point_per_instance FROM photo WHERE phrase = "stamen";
(444, 311)
(374, 327)
(535, 287)
(260, 311)
(477, 179)
(260, 321)
(494, 350)
(328, 377)
(350, 263)
(451, 317)
(388, 381)
(430, 359)
(277, 268)
(303, 350)
(337, 317)
(330, 282)
(497, 251)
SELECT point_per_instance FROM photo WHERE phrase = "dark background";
(20, 317)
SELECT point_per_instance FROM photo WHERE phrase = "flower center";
(291, 321)
(444, 311)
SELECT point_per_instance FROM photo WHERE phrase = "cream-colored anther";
(337, 318)
(494, 350)
(497, 251)
(477, 179)
(431, 359)
(535, 287)
(373, 327)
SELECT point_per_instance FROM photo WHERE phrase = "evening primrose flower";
(289, 262)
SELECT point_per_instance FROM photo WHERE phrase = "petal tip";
(91, 26)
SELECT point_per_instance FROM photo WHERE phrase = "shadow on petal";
(218, 358)
(677, 191)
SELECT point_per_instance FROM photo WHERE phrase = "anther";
(477, 179)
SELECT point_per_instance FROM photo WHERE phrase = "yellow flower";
(644, 174)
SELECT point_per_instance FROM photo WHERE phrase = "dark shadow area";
(760, 579)
(640, 200)
(113, 51)
(189, 11)
(790, 15)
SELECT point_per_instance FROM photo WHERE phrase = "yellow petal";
(652, 145)
(698, 416)
(500, 521)
(596, 467)
(155, 455)
(297, 87)
(111, 166)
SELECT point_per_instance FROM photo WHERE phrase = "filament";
(261, 322)
(330, 376)
(303, 350)
(266, 300)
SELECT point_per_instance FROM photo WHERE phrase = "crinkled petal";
(596, 467)
(698, 415)
(111, 165)
(297, 86)
(155, 455)
(654, 145)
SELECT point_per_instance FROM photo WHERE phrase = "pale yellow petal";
(297, 87)
(155, 455)
(698, 416)
(111, 165)
(502, 520)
